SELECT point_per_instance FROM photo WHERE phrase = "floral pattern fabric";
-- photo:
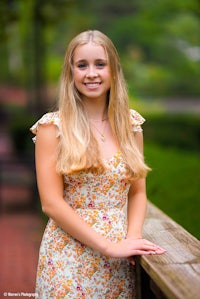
(68, 269)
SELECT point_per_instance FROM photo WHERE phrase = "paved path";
(20, 238)
(21, 229)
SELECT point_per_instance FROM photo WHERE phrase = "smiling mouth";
(95, 84)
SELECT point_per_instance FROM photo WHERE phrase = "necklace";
(99, 120)
(102, 134)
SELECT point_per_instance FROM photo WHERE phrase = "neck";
(96, 111)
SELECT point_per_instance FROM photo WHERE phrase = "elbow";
(50, 206)
(47, 209)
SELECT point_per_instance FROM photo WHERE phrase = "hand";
(132, 246)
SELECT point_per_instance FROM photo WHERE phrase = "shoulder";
(50, 118)
(136, 120)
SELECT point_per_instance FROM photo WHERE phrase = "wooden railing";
(175, 274)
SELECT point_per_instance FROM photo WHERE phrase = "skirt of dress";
(68, 269)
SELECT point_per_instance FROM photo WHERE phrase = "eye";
(82, 65)
(100, 65)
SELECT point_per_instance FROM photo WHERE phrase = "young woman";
(91, 179)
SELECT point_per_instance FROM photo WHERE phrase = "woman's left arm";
(137, 203)
(137, 200)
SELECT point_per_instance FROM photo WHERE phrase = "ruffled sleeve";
(136, 120)
(47, 119)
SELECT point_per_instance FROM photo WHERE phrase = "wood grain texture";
(177, 272)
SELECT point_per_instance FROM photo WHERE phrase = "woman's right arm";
(50, 186)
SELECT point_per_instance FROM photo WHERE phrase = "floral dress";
(69, 269)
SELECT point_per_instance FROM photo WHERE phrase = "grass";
(173, 184)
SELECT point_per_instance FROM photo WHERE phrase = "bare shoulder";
(139, 140)
(47, 137)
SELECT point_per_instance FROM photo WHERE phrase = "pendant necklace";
(102, 134)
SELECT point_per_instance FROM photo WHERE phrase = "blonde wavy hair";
(78, 148)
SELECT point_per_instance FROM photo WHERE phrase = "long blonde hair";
(78, 149)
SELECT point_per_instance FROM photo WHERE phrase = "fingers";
(132, 260)
(154, 248)
(130, 247)
(145, 252)
(147, 247)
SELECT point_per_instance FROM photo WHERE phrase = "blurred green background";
(159, 45)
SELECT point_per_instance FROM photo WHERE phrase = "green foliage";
(173, 184)
(158, 41)
(160, 47)
(172, 130)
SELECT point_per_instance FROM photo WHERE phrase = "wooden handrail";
(176, 273)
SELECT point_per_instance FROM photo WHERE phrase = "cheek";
(108, 78)
(108, 74)
(77, 76)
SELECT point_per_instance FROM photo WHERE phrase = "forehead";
(89, 51)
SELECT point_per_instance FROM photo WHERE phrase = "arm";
(137, 203)
(137, 200)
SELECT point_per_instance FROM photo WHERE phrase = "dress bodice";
(86, 190)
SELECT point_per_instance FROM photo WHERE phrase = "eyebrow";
(96, 60)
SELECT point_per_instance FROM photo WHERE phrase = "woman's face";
(91, 71)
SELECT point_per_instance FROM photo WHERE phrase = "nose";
(91, 72)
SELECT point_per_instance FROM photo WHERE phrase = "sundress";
(69, 269)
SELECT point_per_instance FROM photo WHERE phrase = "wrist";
(104, 246)
(107, 248)
(134, 231)
(134, 235)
